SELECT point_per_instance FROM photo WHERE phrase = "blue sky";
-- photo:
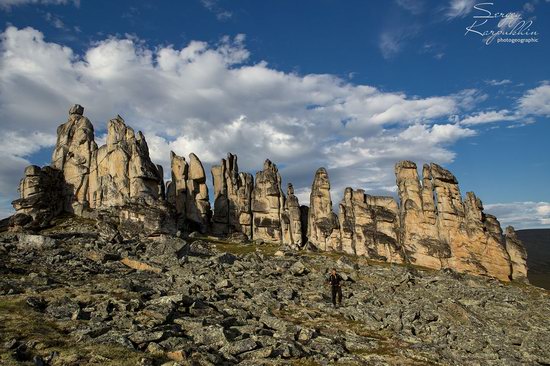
(350, 85)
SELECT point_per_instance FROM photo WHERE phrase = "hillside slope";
(69, 297)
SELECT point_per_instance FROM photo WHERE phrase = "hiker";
(335, 281)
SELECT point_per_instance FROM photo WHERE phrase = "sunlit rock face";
(73, 154)
(445, 231)
(369, 226)
(267, 204)
(323, 226)
(432, 225)
(188, 193)
(518, 255)
(232, 198)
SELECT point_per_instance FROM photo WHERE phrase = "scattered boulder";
(298, 269)
(140, 266)
(29, 241)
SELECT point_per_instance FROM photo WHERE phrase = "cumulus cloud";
(521, 215)
(536, 101)
(211, 99)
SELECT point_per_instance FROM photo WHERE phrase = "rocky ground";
(71, 297)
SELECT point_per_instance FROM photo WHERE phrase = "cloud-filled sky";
(350, 86)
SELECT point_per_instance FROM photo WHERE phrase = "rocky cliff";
(118, 185)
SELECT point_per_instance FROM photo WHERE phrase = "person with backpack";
(335, 282)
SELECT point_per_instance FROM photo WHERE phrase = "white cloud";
(521, 215)
(214, 7)
(8, 4)
(536, 101)
(489, 117)
(498, 82)
(209, 99)
(459, 8)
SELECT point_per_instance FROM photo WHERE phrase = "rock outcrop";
(176, 190)
(117, 182)
(120, 187)
(73, 154)
(419, 235)
(291, 219)
(323, 227)
(122, 169)
(267, 204)
(369, 226)
(188, 193)
(198, 206)
(518, 255)
(232, 198)
(448, 232)
(41, 197)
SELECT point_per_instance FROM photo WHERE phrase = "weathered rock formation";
(122, 169)
(117, 181)
(118, 185)
(41, 192)
(369, 226)
(267, 204)
(189, 194)
(518, 255)
(418, 219)
(74, 151)
(232, 198)
(291, 219)
(197, 205)
(448, 233)
(323, 227)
